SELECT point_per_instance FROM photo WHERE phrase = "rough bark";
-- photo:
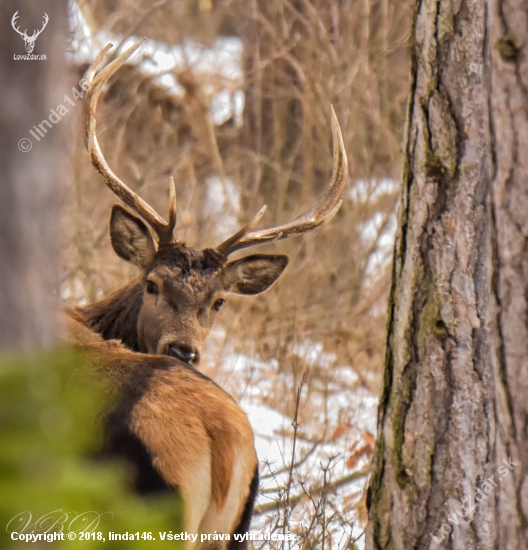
(29, 187)
(454, 405)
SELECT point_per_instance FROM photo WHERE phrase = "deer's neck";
(116, 316)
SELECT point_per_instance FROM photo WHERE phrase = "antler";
(24, 34)
(13, 23)
(163, 229)
(320, 214)
(36, 33)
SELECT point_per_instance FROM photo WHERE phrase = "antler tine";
(225, 247)
(45, 21)
(320, 214)
(173, 206)
(14, 22)
(163, 229)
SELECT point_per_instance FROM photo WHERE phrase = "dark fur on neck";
(116, 317)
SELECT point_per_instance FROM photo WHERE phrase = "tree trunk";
(452, 455)
(31, 171)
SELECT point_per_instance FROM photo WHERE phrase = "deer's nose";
(184, 353)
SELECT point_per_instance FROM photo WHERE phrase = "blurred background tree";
(31, 182)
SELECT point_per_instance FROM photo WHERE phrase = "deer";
(156, 326)
(170, 308)
(29, 40)
(176, 429)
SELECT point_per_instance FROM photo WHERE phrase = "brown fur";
(198, 438)
(115, 317)
(214, 426)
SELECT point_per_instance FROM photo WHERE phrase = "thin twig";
(277, 504)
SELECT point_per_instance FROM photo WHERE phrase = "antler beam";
(163, 229)
(320, 214)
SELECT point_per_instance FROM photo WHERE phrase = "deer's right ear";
(131, 238)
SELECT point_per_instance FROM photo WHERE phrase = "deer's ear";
(253, 274)
(131, 238)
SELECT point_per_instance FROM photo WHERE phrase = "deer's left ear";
(131, 238)
(253, 274)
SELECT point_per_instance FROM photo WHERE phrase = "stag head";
(29, 40)
(181, 288)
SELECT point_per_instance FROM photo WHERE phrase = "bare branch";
(277, 504)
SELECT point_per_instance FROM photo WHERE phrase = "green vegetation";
(50, 411)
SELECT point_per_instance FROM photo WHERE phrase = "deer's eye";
(218, 304)
(152, 288)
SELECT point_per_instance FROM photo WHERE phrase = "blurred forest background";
(232, 98)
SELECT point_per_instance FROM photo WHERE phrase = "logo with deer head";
(29, 40)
